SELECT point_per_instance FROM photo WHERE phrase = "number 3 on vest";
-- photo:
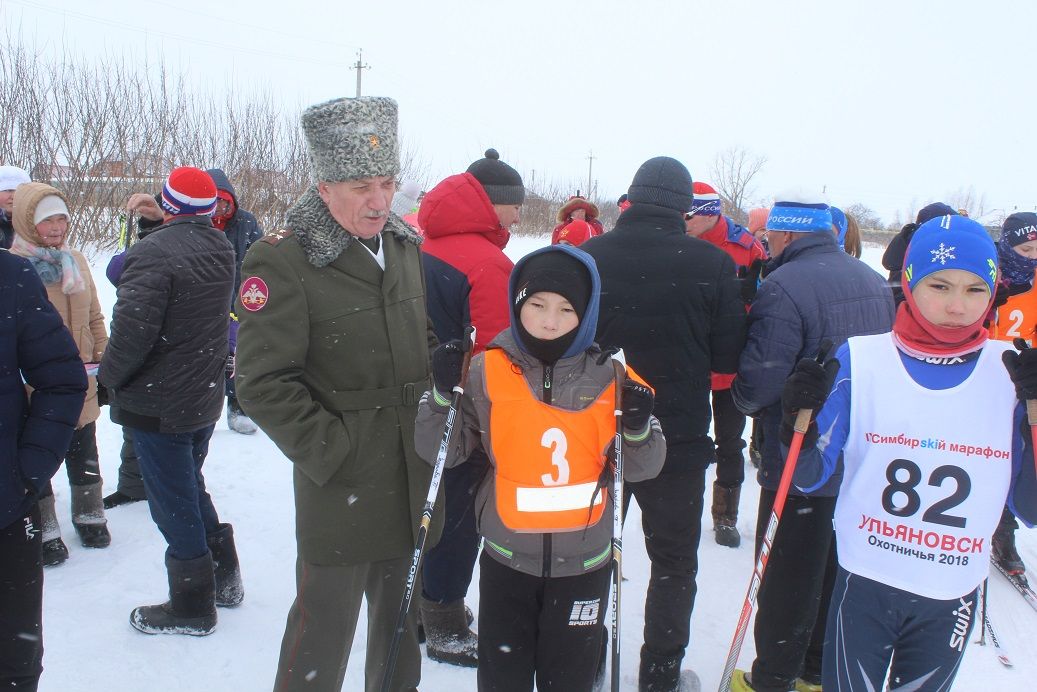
(554, 439)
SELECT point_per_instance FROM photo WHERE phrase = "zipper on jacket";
(548, 376)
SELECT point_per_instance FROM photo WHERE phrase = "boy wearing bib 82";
(541, 403)
(933, 439)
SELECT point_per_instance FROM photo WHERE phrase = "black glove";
(750, 279)
(1022, 368)
(808, 387)
(638, 402)
(447, 361)
(102, 395)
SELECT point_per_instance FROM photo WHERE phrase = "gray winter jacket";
(814, 291)
(577, 381)
(166, 356)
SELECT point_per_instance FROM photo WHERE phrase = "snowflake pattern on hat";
(942, 254)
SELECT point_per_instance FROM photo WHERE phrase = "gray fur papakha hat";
(352, 138)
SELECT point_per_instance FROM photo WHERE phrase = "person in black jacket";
(35, 431)
(242, 229)
(163, 369)
(673, 304)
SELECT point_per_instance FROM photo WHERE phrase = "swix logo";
(961, 626)
(585, 613)
(29, 529)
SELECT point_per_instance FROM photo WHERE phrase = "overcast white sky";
(893, 103)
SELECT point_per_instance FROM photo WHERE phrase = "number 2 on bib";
(554, 439)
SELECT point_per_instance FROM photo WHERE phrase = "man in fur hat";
(333, 353)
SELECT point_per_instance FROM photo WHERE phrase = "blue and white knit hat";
(799, 213)
(951, 242)
(707, 201)
(188, 191)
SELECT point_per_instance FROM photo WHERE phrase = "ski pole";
(617, 524)
(123, 225)
(426, 513)
(801, 425)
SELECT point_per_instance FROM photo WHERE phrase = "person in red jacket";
(466, 220)
(577, 222)
(706, 222)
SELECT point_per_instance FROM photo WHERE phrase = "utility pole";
(359, 66)
(590, 172)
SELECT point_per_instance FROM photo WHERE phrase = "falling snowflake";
(942, 254)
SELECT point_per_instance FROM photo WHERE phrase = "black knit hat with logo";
(551, 272)
(502, 183)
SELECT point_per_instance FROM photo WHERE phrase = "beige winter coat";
(81, 312)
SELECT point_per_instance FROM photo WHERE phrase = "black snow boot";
(447, 636)
(54, 549)
(229, 590)
(191, 608)
(1002, 547)
(659, 673)
(468, 615)
(725, 515)
(88, 516)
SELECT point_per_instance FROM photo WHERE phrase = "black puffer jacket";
(673, 304)
(164, 365)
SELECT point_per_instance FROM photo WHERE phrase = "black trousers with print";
(547, 628)
(21, 603)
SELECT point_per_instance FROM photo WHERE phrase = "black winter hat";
(664, 182)
(502, 183)
(556, 272)
(931, 211)
(1019, 228)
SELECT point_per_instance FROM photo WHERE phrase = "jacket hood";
(26, 198)
(459, 204)
(223, 182)
(589, 324)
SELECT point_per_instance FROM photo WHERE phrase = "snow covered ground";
(90, 645)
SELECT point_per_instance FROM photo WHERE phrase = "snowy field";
(90, 645)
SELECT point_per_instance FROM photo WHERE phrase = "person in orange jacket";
(1016, 318)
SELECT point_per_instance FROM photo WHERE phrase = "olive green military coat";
(332, 357)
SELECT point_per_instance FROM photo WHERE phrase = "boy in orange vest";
(541, 403)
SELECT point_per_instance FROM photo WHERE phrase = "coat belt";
(360, 399)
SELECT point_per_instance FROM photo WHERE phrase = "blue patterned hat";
(951, 242)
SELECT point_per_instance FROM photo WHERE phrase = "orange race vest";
(1016, 318)
(548, 459)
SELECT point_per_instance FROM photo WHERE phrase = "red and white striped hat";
(189, 191)
(707, 201)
